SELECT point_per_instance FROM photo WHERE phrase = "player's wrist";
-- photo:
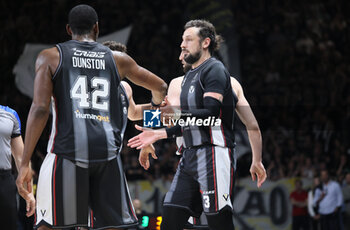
(161, 134)
(154, 104)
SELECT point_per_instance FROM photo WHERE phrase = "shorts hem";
(194, 214)
(227, 207)
(115, 226)
(44, 223)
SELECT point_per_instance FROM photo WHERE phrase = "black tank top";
(191, 97)
(89, 106)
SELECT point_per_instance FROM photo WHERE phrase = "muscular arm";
(140, 76)
(246, 115)
(135, 112)
(17, 150)
(45, 67)
(174, 91)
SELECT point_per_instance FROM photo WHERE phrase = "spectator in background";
(313, 211)
(299, 201)
(329, 199)
(346, 194)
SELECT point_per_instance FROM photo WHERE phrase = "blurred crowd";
(294, 59)
(294, 71)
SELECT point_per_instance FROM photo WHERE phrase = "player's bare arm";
(46, 65)
(135, 111)
(140, 76)
(246, 115)
(174, 91)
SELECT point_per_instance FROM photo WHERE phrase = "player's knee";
(221, 221)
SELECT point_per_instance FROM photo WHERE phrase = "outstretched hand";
(257, 170)
(143, 157)
(147, 137)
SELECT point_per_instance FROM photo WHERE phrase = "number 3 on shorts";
(206, 201)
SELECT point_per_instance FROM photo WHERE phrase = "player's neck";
(84, 38)
(205, 56)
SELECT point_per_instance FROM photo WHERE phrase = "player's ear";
(69, 30)
(96, 29)
(206, 42)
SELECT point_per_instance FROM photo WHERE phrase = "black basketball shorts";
(71, 194)
(203, 181)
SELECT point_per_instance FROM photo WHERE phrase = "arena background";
(292, 58)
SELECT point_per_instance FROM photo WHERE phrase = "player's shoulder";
(127, 88)
(48, 56)
(176, 80)
(120, 56)
(49, 52)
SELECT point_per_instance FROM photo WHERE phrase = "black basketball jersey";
(196, 82)
(89, 108)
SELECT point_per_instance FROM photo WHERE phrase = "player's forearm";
(159, 92)
(37, 119)
(138, 112)
(256, 144)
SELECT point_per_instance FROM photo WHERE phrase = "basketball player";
(82, 168)
(135, 111)
(204, 178)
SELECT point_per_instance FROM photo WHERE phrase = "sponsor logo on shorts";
(207, 192)
(225, 196)
(43, 212)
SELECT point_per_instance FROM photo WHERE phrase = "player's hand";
(24, 184)
(257, 170)
(30, 205)
(143, 156)
(147, 137)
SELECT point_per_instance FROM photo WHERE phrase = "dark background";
(293, 61)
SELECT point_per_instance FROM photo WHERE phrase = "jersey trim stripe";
(92, 218)
(54, 192)
(231, 181)
(60, 63)
(222, 128)
(214, 172)
(53, 134)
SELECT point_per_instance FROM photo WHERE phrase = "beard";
(187, 67)
(192, 58)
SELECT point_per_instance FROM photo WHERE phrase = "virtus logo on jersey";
(80, 115)
(151, 118)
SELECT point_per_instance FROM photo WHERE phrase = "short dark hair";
(116, 46)
(82, 18)
(206, 30)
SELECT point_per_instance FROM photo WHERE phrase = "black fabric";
(300, 222)
(174, 131)
(174, 218)
(330, 222)
(8, 207)
(215, 79)
(210, 76)
(211, 108)
(84, 125)
(221, 221)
